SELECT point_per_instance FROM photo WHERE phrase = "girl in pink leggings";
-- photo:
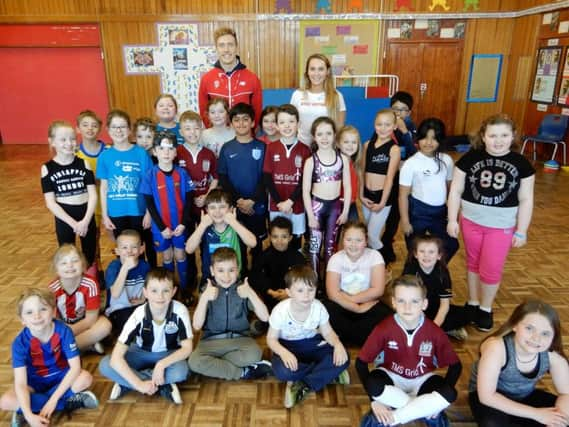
(493, 188)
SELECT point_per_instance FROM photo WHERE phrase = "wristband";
(519, 235)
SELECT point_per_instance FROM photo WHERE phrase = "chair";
(551, 131)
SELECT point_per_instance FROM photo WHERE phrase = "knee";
(9, 401)
(177, 372)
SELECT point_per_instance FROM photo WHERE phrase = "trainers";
(118, 391)
(471, 313)
(258, 328)
(18, 420)
(98, 348)
(440, 420)
(295, 392)
(83, 399)
(258, 370)
(484, 321)
(170, 392)
(343, 378)
(459, 334)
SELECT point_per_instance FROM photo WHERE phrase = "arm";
(340, 354)
(117, 285)
(246, 292)
(347, 186)
(23, 396)
(119, 364)
(270, 185)
(340, 119)
(208, 295)
(202, 101)
(103, 189)
(306, 190)
(365, 201)
(394, 159)
(151, 207)
(58, 211)
(182, 353)
(226, 184)
(88, 321)
(64, 385)
(288, 358)
(453, 203)
(404, 192)
(442, 312)
(195, 239)
(257, 101)
(246, 236)
(376, 286)
(335, 293)
(83, 225)
(525, 209)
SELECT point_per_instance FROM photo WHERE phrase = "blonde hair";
(331, 95)
(64, 250)
(56, 124)
(355, 158)
(45, 296)
(224, 31)
(191, 116)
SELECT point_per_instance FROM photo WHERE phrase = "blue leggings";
(326, 213)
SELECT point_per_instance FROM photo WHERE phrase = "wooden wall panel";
(48, 7)
(279, 53)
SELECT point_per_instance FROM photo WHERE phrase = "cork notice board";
(484, 78)
(350, 45)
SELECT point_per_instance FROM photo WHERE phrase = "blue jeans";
(142, 362)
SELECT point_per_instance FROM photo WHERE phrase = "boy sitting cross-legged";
(306, 351)
(150, 354)
(225, 350)
(47, 368)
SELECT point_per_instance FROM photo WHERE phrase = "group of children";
(182, 188)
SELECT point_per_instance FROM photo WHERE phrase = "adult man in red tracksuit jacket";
(230, 79)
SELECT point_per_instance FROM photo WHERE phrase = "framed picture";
(563, 95)
(484, 79)
(140, 60)
(546, 71)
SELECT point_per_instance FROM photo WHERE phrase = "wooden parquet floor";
(28, 242)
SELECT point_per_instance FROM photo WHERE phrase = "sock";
(393, 397)
(474, 303)
(422, 406)
(169, 265)
(486, 309)
(183, 273)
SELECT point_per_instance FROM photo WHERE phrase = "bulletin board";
(350, 45)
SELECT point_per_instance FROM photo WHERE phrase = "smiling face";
(36, 315)
(69, 265)
(217, 114)
(301, 294)
(280, 238)
(191, 131)
(89, 128)
(427, 255)
(324, 136)
(242, 123)
(317, 72)
(144, 137)
(384, 125)
(166, 110)
(269, 124)
(217, 211)
(287, 125)
(119, 130)
(349, 143)
(409, 304)
(226, 47)
(225, 273)
(498, 139)
(63, 141)
(159, 293)
(354, 243)
(429, 145)
(128, 247)
(534, 334)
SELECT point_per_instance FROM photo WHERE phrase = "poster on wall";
(563, 97)
(547, 68)
(350, 45)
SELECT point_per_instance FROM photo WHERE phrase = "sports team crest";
(297, 161)
(426, 349)
(206, 165)
(256, 153)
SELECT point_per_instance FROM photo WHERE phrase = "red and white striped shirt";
(72, 307)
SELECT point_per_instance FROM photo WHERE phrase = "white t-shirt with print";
(291, 329)
(355, 276)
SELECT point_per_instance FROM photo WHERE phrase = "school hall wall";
(269, 46)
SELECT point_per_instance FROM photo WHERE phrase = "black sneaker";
(258, 370)
(484, 321)
(83, 399)
(471, 313)
(171, 393)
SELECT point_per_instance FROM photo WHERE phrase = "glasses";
(401, 110)
(118, 127)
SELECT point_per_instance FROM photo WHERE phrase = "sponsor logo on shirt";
(171, 328)
(426, 349)
(392, 345)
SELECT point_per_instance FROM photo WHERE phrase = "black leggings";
(486, 416)
(65, 233)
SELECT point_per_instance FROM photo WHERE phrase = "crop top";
(67, 180)
(327, 173)
(377, 159)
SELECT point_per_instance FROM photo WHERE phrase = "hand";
(365, 306)
(137, 301)
(129, 262)
(147, 387)
(245, 206)
(407, 228)
(210, 292)
(108, 223)
(205, 220)
(179, 230)
(340, 355)
(550, 417)
(230, 217)
(519, 239)
(199, 201)
(244, 290)
(48, 409)
(158, 374)
(279, 294)
(285, 207)
(312, 222)
(37, 420)
(366, 202)
(146, 221)
(166, 233)
(342, 219)
(453, 229)
(400, 124)
(376, 207)
(289, 360)
(382, 413)
(81, 228)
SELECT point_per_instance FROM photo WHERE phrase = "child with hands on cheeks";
(307, 353)
(47, 369)
(502, 388)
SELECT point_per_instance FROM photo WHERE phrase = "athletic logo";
(232, 155)
(297, 161)
(393, 345)
(256, 153)
(171, 328)
(276, 158)
(216, 84)
(205, 165)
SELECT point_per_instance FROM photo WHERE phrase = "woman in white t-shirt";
(318, 97)
(423, 183)
(355, 282)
